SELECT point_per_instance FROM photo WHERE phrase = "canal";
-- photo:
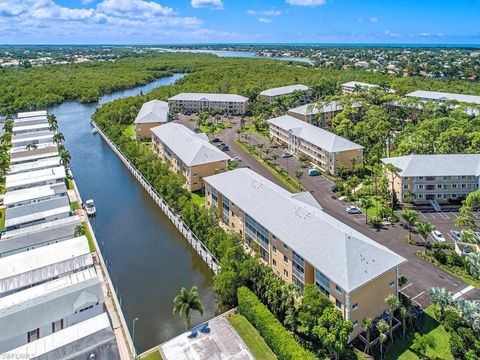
(147, 258)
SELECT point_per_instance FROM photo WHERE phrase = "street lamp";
(133, 338)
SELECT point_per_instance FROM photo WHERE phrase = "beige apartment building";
(440, 179)
(152, 113)
(271, 94)
(320, 146)
(195, 102)
(320, 114)
(304, 245)
(188, 153)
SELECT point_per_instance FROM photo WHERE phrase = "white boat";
(94, 131)
(89, 207)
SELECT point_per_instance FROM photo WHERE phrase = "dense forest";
(38, 87)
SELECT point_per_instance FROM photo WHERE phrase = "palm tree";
(367, 326)
(298, 175)
(8, 126)
(441, 298)
(393, 304)
(342, 169)
(274, 157)
(185, 302)
(424, 228)
(65, 157)
(58, 138)
(403, 314)
(410, 218)
(393, 174)
(365, 203)
(52, 119)
(382, 328)
(31, 146)
(79, 231)
(53, 126)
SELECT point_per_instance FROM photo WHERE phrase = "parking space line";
(462, 292)
(416, 296)
(406, 286)
(421, 214)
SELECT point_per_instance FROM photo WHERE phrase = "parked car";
(216, 140)
(438, 236)
(223, 147)
(197, 130)
(456, 235)
(236, 158)
(286, 155)
(334, 187)
(313, 172)
(352, 209)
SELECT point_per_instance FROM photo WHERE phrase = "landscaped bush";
(276, 336)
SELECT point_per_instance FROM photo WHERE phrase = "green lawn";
(2, 218)
(130, 131)
(253, 129)
(198, 199)
(154, 355)
(251, 337)
(434, 330)
(91, 244)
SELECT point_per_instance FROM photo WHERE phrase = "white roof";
(209, 97)
(32, 138)
(154, 111)
(62, 210)
(347, 257)
(313, 109)
(193, 149)
(437, 165)
(13, 197)
(27, 128)
(38, 228)
(313, 134)
(352, 84)
(284, 90)
(34, 177)
(443, 96)
(59, 339)
(27, 114)
(32, 119)
(30, 268)
(49, 162)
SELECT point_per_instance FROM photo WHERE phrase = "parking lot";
(422, 275)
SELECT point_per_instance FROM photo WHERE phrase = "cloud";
(311, 3)
(272, 12)
(264, 20)
(133, 8)
(212, 4)
(425, 34)
(373, 19)
(391, 34)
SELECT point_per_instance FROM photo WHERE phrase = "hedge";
(282, 343)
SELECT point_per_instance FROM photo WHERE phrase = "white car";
(438, 236)
(353, 210)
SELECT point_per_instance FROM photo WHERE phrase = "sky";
(238, 21)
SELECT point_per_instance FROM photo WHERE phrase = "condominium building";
(152, 113)
(425, 179)
(188, 153)
(274, 93)
(304, 245)
(322, 147)
(320, 114)
(352, 87)
(195, 102)
(441, 97)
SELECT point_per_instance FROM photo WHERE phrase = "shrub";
(452, 319)
(275, 335)
(440, 256)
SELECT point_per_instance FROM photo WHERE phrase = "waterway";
(147, 258)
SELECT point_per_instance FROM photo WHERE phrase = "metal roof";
(193, 149)
(352, 84)
(347, 257)
(313, 134)
(45, 163)
(34, 177)
(59, 212)
(284, 90)
(12, 197)
(443, 96)
(34, 154)
(436, 165)
(313, 109)
(28, 114)
(209, 97)
(154, 111)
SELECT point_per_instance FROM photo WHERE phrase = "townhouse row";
(52, 301)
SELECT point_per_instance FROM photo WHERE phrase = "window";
(392, 283)
(322, 282)
(338, 304)
(256, 232)
(57, 325)
(274, 249)
(226, 209)
(338, 288)
(285, 246)
(274, 263)
(285, 273)
(355, 323)
(285, 259)
(33, 335)
(405, 186)
(454, 186)
(439, 186)
(214, 196)
(355, 306)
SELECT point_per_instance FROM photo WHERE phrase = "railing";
(175, 218)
